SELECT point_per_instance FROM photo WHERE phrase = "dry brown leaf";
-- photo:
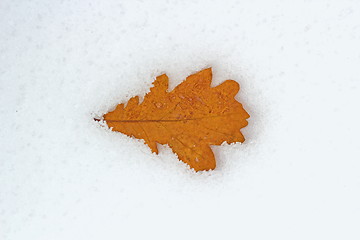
(189, 119)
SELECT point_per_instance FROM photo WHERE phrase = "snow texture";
(62, 176)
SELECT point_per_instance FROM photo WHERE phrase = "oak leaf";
(189, 119)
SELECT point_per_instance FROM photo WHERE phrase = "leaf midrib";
(169, 120)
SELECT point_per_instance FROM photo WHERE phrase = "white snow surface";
(63, 176)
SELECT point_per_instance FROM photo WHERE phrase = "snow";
(63, 176)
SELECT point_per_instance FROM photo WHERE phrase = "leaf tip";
(230, 87)
(161, 83)
(207, 70)
(200, 80)
(134, 101)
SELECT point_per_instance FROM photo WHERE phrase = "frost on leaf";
(189, 119)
